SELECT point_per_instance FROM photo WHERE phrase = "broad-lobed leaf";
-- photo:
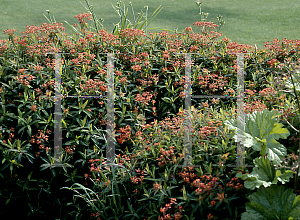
(264, 174)
(274, 202)
(261, 132)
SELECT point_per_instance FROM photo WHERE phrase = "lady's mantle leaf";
(272, 203)
(261, 130)
(264, 174)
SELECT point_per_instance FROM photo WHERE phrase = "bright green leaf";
(261, 130)
(275, 202)
(264, 174)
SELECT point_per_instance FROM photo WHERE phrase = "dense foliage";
(149, 115)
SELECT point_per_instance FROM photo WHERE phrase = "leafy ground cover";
(252, 22)
(150, 179)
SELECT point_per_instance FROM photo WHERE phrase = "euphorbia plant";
(124, 23)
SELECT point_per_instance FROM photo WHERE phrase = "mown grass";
(248, 22)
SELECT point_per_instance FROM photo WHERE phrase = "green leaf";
(154, 14)
(124, 21)
(63, 121)
(20, 130)
(29, 176)
(29, 130)
(49, 118)
(261, 130)
(20, 113)
(84, 105)
(86, 112)
(275, 202)
(83, 121)
(296, 80)
(166, 99)
(184, 193)
(264, 174)
(252, 215)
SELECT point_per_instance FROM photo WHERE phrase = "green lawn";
(250, 22)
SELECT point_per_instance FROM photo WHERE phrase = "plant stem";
(297, 170)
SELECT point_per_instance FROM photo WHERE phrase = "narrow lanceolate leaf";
(275, 202)
(84, 105)
(261, 132)
(264, 174)
(184, 193)
(84, 121)
(63, 121)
